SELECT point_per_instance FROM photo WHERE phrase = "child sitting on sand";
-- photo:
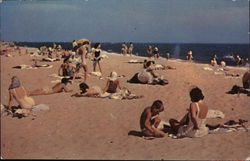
(150, 120)
(59, 87)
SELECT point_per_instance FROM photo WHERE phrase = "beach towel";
(98, 74)
(121, 94)
(208, 68)
(134, 61)
(40, 107)
(50, 59)
(215, 114)
(231, 126)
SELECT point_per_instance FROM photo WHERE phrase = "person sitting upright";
(18, 92)
(193, 123)
(112, 84)
(150, 120)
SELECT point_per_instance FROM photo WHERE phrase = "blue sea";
(202, 53)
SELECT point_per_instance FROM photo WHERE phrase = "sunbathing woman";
(193, 123)
(112, 84)
(66, 68)
(59, 87)
(17, 92)
(148, 76)
(87, 91)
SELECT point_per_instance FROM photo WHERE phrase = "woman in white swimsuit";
(193, 123)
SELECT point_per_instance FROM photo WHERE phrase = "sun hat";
(113, 76)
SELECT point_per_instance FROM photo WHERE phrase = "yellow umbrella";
(80, 41)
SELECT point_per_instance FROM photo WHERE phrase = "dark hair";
(196, 94)
(66, 59)
(83, 87)
(65, 80)
(157, 104)
(96, 45)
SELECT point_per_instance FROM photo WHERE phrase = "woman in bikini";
(18, 92)
(193, 123)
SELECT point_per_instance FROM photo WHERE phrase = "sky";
(160, 21)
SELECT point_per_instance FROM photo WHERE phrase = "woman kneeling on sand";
(19, 93)
(193, 123)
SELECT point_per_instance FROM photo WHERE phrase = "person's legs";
(175, 125)
(37, 92)
(99, 66)
(94, 65)
(85, 72)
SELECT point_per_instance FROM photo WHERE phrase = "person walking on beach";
(124, 49)
(82, 51)
(97, 56)
(167, 55)
(189, 55)
(156, 53)
(150, 120)
(149, 51)
(130, 48)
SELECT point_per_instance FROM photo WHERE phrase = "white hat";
(113, 76)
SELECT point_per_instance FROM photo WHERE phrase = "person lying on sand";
(193, 123)
(18, 92)
(148, 76)
(59, 87)
(150, 120)
(86, 91)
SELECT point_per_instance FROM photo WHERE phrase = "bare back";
(59, 87)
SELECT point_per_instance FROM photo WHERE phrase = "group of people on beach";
(127, 49)
(193, 124)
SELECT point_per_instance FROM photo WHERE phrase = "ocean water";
(202, 53)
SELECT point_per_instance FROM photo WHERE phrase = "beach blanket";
(215, 114)
(208, 68)
(98, 74)
(121, 94)
(50, 59)
(23, 66)
(231, 126)
(134, 61)
(26, 112)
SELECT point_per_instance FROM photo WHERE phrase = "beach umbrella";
(80, 41)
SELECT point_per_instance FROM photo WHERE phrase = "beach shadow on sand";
(167, 129)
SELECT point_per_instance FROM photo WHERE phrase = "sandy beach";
(95, 128)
